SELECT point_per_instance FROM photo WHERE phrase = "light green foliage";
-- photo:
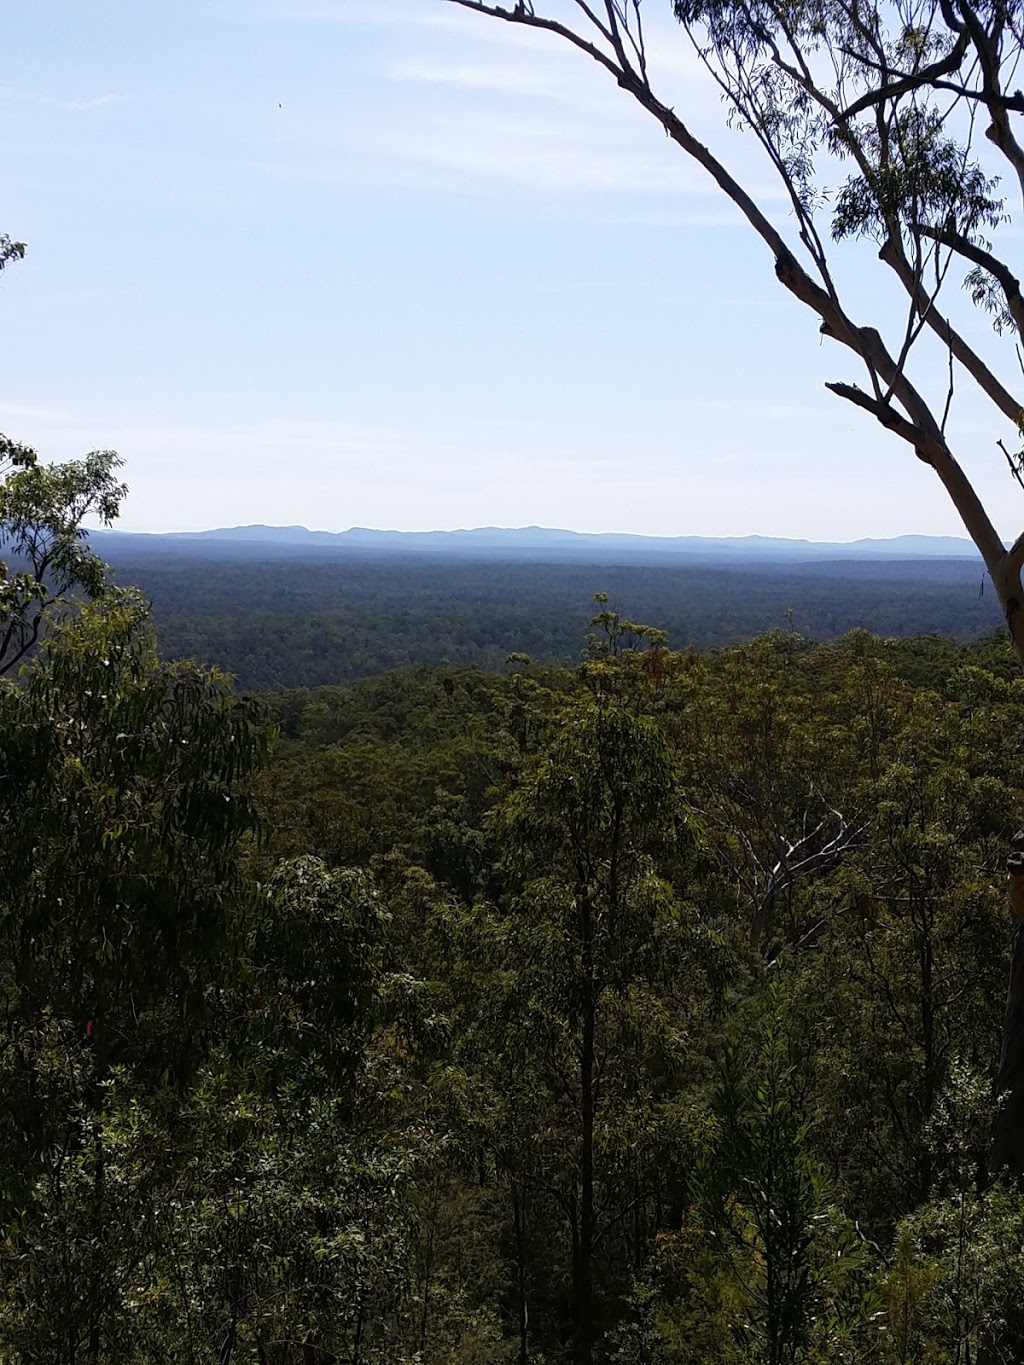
(42, 510)
(953, 1286)
(802, 1270)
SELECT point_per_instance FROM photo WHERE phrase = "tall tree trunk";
(1008, 1139)
(428, 1264)
(522, 1306)
(926, 963)
(1007, 1154)
(582, 1270)
(99, 1036)
(357, 1344)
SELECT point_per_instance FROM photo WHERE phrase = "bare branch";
(1010, 407)
(925, 446)
(1014, 464)
(521, 15)
(936, 453)
(582, 4)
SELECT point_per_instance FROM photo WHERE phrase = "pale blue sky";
(384, 263)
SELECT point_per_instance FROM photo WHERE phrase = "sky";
(387, 263)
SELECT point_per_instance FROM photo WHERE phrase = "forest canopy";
(640, 1009)
(633, 1003)
(306, 622)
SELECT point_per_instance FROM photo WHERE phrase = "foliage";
(42, 508)
(643, 1010)
(291, 625)
(800, 1265)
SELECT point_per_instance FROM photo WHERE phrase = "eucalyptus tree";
(593, 943)
(42, 508)
(892, 126)
(870, 116)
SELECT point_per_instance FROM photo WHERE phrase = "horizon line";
(533, 527)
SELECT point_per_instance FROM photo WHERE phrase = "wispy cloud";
(506, 79)
(10, 95)
(482, 108)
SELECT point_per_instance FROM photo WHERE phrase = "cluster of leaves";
(42, 510)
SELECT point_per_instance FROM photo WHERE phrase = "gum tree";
(52, 566)
(895, 126)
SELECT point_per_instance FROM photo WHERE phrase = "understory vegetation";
(643, 1010)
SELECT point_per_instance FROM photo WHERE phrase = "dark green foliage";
(10, 250)
(637, 1011)
(914, 173)
(286, 624)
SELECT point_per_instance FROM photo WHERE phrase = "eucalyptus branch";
(909, 81)
(932, 449)
(635, 40)
(970, 251)
(616, 38)
(592, 16)
(522, 15)
(1014, 463)
(925, 446)
(999, 132)
(950, 390)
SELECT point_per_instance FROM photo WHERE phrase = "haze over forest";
(537, 542)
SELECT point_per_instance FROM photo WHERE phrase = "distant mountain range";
(528, 542)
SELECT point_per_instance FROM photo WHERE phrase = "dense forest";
(642, 1009)
(463, 963)
(287, 622)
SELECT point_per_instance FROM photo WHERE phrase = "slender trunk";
(522, 1307)
(428, 1267)
(582, 1271)
(930, 1086)
(99, 1035)
(227, 1349)
(1008, 1139)
(357, 1344)
(639, 1238)
(1007, 1153)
